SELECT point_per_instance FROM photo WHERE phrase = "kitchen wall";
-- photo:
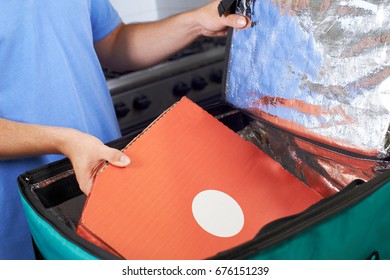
(148, 10)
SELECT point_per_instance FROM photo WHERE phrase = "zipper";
(48, 181)
(34, 177)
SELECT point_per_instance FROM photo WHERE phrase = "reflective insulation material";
(318, 69)
(325, 170)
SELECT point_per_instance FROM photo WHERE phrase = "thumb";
(237, 21)
(117, 158)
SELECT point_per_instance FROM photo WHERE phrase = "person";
(54, 100)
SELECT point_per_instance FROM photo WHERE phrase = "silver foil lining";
(319, 69)
(324, 170)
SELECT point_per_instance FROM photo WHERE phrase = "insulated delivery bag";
(304, 123)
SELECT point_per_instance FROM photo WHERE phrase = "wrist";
(63, 140)
(191, 20)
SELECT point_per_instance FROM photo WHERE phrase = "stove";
(141, 96)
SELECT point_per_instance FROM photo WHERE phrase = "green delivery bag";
(307, 84)
(350, 224)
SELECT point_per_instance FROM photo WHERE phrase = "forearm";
(135, 46)
(21, 140)
(85, 151)
(145, 44)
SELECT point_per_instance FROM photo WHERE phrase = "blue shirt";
(50, 75)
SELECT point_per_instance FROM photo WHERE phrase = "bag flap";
(317, 69)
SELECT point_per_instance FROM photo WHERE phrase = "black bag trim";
(65, 231)
(271, 234)
(51, 196)
(36, 175)
(280, 230)
(224, 6)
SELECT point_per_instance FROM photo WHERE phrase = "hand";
(87, 154)
(213, 25)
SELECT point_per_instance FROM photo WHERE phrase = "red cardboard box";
(194, 188)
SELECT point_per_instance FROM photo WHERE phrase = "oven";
(141, 96)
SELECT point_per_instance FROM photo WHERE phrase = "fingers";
(210, 24)
(117, 158)
(237, 21)
(88, 166)
(86, 173)
(87, 154)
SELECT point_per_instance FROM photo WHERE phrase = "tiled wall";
(148, 10)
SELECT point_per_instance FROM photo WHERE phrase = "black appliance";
(196, 72)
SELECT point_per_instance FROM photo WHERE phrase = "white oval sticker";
(218, 213)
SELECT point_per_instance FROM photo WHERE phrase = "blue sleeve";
(104, 19)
